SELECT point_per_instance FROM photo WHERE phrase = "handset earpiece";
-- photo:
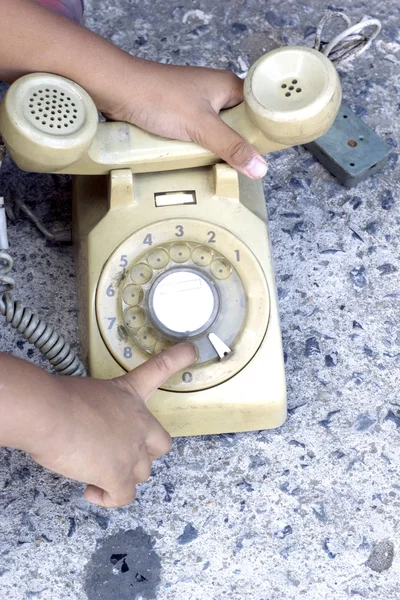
(50, 124)
(292, 95)
(47, 122)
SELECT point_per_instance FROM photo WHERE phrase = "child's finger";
(158, 441)
(154, 372)
(217, 136)
(234, 87)
(119, 497)
(142, 470)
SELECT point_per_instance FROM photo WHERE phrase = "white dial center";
(183, 301)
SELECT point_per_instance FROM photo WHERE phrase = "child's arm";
(99, 432)
(171, 101)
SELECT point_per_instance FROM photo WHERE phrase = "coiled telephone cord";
(22, 318)
(42, 335)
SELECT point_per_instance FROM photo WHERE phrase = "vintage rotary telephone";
(173, 244)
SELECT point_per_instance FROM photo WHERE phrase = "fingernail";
(257, 168)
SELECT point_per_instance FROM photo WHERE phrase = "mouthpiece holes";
(61, 106)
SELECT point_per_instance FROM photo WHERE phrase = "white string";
(349, 44)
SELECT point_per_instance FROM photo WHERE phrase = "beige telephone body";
(173, 245)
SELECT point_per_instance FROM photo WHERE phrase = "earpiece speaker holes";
(288, 86)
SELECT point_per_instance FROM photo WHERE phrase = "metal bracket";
(350, 150)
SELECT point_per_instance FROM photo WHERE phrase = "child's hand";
(172, 101)
(100, 432)
(183, 103)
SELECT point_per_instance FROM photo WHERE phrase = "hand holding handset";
(50, 124)
(172, 246)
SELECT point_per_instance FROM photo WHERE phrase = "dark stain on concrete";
(381, 557)
(124, 566)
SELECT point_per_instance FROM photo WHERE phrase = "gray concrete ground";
(310, 510)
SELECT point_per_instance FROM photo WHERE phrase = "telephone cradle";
(172, 244)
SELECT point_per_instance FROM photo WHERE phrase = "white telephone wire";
(350, 43)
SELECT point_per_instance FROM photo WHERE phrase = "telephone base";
(134, 231)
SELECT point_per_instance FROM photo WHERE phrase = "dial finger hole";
(221, 268)
(133, 295)
(135, 317)
(162, 345)
(141, 273)
(180, 252)
(202, 256)
(146, 337)
(158, 258)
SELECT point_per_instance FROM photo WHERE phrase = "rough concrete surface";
(310, 510)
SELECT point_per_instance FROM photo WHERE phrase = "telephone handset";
(292, 95)
(172, 244)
